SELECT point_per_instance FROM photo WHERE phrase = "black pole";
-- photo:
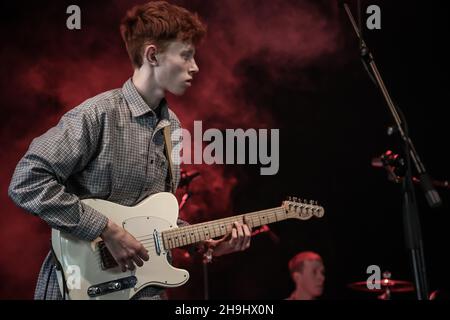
(412, 231)
(205, 280)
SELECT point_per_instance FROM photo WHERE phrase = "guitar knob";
(93, 291)
(114, 286)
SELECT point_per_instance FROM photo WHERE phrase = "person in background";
(308, 273)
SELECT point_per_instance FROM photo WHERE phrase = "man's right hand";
(125, 249)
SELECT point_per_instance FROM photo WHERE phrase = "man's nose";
(194, 68)
(321, 278)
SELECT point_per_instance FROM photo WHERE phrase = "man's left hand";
(238, 239)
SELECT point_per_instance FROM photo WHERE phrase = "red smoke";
(62, 68)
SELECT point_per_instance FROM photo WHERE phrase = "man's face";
(312, 277)
(176, 67)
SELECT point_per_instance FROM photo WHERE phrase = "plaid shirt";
(110, 147)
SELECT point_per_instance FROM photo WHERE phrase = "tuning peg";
(289, 198)
(295, 199)
(311, 201)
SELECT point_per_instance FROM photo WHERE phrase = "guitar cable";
(48, 280)
(58, 266)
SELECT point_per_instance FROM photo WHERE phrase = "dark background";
(291, 65)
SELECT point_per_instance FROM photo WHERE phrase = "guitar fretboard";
(206, 230)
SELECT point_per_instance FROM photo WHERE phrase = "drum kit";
(384, 287)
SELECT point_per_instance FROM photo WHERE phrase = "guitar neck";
(203, 231)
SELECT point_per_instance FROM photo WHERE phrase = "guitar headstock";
(302, 209)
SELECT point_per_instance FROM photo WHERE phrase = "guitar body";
(81, 261)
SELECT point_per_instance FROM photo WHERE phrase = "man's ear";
(150, 54)
(296, 276)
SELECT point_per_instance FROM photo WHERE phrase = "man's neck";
(299, 294)
(145, 85)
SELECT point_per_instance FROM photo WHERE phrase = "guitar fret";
(217, 231)
(180, 235)
(196, 237)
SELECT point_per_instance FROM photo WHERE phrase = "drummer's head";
(308, 272)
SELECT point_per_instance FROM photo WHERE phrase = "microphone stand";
(412, 228)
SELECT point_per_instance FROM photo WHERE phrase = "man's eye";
(187, 56)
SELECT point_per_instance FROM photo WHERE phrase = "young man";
(308, 273)
(112, 147)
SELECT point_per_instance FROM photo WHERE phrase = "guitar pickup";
(111, 286)
(156, 240)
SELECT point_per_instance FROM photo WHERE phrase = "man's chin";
(178, 92)
(318, 291)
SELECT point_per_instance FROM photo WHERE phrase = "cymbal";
(393, 285)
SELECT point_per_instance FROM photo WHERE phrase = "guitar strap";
(168, 150)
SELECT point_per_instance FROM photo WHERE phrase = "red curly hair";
(158, 23)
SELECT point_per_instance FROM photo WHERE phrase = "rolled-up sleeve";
(37, 184)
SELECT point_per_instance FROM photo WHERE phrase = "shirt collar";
(137, 105)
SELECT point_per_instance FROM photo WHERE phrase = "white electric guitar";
(93, 274)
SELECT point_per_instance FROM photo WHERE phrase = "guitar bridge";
(106, 259)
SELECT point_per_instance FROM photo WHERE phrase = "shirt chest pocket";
(161, 163)
(130, 162)
(158, 168)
